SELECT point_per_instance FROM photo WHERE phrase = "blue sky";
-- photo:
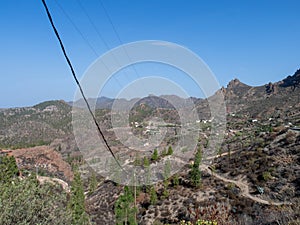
(256, 41)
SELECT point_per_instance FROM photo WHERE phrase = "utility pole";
(135, 208)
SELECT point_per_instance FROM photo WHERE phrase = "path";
(64, 184)
(244, 187)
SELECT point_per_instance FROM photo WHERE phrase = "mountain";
(253, 179)
(263, 100)
(291, 81)
(36, 125)
(47, 121)
(151, 100)
(100, 103)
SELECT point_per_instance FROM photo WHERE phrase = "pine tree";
(154, 156)
(93, 183)
(146, 162)
(166, 175)
(153, 196)
(170, 151)
(175, 180)
(124, 210)
(76, 204)
(195, 173)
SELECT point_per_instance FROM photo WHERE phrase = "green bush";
(154, 156)
(8, 169)
(27, 202)
(170, 151)
(266, 175)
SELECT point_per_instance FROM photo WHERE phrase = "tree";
(154, 156)
(170, 151)
(76, 204)
(166, 175)
(195, 173)
(153, 196)
(198, 157)
(146, 162)
(93, 183)
(124, 210)
(175, 180)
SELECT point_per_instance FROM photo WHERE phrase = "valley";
(252, 177)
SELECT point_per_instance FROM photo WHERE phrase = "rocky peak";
(233, 83)
(291, 81)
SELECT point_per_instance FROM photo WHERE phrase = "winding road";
(241, 185)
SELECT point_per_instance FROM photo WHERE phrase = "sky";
(255, 41)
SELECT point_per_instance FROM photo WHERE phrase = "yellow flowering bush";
(199, 222)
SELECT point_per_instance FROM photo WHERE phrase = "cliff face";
(241, 97)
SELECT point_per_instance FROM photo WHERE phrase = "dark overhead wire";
(110, 21)
(100, 37)
(78, 84)
(118, 36)
(93, 24)
(76, 28)
(86, 40)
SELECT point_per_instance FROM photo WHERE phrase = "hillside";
(253, 178)
(36, 125)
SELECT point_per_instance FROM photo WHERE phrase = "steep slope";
(37, 125)
(255, 180)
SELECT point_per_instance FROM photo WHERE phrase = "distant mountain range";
(151, 100)
(256, 169)
(235, 91)
(43, 123)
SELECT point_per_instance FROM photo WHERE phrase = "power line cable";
(93, 24)
(86, 40)
(77, 82)
(117, 34)
(76, 28)
(100, 37)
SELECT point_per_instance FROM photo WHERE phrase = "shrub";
(154, 156)
(27, 202)
(8, 169)
(218, 213)
(170, 151)
(266, 175)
